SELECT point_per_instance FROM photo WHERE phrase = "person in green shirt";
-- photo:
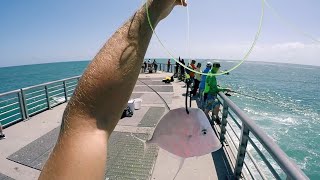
(210, 94)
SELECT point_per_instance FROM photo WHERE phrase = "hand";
(164, 7)
(228, 90)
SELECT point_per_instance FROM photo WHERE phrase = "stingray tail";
(180, 166)
(144, 143)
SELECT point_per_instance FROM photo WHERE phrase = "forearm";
(107, 83)
(221, 89)
(98, 101)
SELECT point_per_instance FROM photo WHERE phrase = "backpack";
(127, 112)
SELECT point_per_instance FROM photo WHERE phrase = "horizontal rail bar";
(9, 117)
(2, 107)
(36, 101)
(34, 97)
(234, 154)
(250, 156)
(289, 167)
(12, 122)
(232, 149)
(10, 92)
(71, 82)
(8, 99)
(44, 104)
(33, 92)
(265, 160)
(70, 89)
(55, 86)
(39, 111)
(57, 95)
(236, 147)
(50, 92)
(74, 85)
(9, 111)
(48, 83)
(69, 94)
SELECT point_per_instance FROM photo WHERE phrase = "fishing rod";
(187, 94)
(166, 104)
(250, 96)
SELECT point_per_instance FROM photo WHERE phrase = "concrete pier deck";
(29, 143)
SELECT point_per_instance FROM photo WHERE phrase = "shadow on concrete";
(222, 165)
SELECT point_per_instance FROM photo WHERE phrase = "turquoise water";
(290, 113)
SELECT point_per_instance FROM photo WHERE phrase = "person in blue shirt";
(203, 83)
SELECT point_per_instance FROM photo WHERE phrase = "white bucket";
(137, 103)
(131, 104)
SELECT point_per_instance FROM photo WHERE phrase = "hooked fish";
(185, 135)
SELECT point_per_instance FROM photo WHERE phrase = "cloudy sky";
(41, 31)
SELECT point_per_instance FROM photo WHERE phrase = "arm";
(212, 86)
(100, 97)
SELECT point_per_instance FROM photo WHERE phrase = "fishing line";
(251, 96)
(286, 22)
(210, 74)
(166, 104)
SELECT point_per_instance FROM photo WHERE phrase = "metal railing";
(160, 67)
(19, 105)
(240, 144)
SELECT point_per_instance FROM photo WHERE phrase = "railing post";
(171, 68)
(224, 122)
(21, 104)
(47, 97)
(65, 91)
(241, 151)
(24, 103)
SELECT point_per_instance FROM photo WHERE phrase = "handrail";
(8, 93)
(27, 99)
(273, 171)
(51, 82)
(288, 166)
(250, 156)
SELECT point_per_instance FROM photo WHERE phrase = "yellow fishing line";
(210, 74)
(295, 28)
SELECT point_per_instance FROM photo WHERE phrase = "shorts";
(211, 101)
(201, 98)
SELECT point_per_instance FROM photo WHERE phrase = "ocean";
(286, 103)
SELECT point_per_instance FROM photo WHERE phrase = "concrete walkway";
(164, 165)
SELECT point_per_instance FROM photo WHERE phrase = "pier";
(30, 141)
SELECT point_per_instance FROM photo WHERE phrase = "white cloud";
(289, 52)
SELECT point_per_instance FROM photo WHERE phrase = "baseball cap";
(216, 64)
(209, 64)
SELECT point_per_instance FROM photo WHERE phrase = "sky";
(42, 31)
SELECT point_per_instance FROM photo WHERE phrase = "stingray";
(184, 134)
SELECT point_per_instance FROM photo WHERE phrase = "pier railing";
(240, 123)
(19, 105)
(161, 67)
